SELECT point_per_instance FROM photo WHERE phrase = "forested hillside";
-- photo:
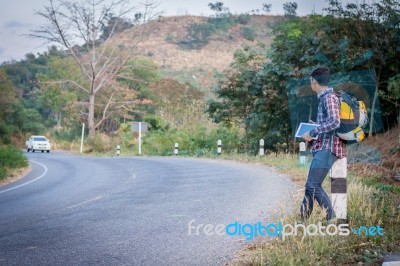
(239, 78)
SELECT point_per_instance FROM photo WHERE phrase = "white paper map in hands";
(305, 127)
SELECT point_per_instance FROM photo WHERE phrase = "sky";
(17, 18)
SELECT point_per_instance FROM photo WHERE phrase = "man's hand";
(307, 136)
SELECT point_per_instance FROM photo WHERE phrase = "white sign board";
(142, 127)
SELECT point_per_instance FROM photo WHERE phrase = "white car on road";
(38, 143)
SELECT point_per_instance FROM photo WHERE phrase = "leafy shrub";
(160, 142)
(154, 122)
(3, 173)
(32, 121)
(195, 141)
(248, 33)
(222, 21)
(100, 143)
(169, 37)
(198, 36)
(11, 158)
(4, 133)
(243, 19)
(68, 134)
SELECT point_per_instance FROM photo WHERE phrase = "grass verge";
(370, 203)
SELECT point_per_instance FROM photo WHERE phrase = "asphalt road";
(73, 210)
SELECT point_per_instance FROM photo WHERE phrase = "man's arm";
(333, 120)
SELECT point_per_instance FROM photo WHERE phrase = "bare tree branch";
(64, 81)
(77, 27)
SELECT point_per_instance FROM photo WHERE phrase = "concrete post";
(176, 149)
(118, 150)
(261, 147)
(338, 175)
(302, 149)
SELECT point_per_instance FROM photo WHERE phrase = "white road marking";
(33, 180)
(78, 204)
(176, 215)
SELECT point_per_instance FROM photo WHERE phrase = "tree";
(178, 104)
(290, 9)
(217, 6)
(267, 7)
(60, 97)
(251, 95)
(253, 92)
(373, 36)
(115, 25)
(76, 26)
(6, 94)
(393, 94)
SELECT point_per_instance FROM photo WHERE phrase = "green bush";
(31, 121)
(243, 19)
(222, 21)
(100, 143)
(11, 158)
(169, 38)
(4, 133)
(196, 141)
(3, 173)
(248, 33)
(198, 36)
(69, 133)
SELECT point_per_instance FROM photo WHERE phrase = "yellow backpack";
(353, 118)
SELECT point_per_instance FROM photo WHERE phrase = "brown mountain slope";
(197, 66)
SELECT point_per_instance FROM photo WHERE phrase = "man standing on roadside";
(326, 149)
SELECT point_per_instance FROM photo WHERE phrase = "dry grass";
(14, 175)
(367, 206)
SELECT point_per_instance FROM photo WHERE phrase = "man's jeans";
(320, 166)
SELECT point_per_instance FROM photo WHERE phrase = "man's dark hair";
(321, 75)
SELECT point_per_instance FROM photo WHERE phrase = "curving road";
(73, 210)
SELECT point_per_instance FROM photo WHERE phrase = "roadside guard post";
(261, 147)
(219, 147)
(176, 149)
(302, 149)
(338, 176)
(118, 150)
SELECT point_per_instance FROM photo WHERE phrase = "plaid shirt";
(329, 119)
